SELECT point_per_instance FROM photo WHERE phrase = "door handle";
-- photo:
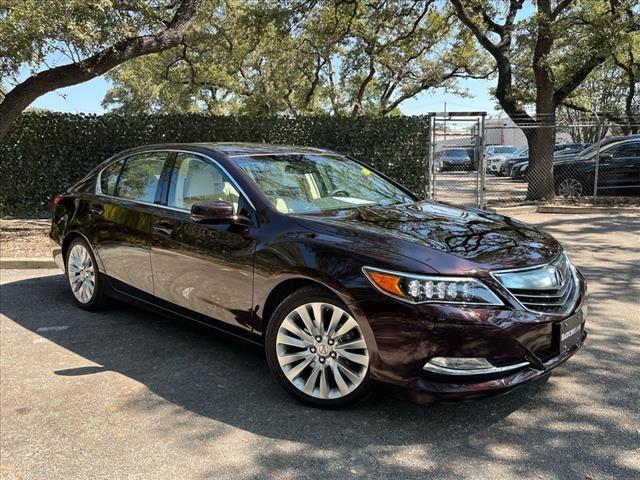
(97, 209)
(163, 227)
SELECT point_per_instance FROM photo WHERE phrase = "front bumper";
(407, 336)
(426, 390)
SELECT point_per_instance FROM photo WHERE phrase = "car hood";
(448, 239)
(517, 159)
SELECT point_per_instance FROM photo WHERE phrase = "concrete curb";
(563, 209)
(567, 209)
(512, 210)
(26, 263)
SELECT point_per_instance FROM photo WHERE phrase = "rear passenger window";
(140, 177)
(109, 178)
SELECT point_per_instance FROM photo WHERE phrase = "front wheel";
(317, 350)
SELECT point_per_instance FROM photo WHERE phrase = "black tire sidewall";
(293, 301)
(96, 301)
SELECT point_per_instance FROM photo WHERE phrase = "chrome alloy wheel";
(81, 272)
(321, 351)
(570, 187)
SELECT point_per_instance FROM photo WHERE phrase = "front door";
(121, 218)
(206, 268)
(619, 167)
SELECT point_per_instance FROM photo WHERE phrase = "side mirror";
(606, 156)
(212, 212)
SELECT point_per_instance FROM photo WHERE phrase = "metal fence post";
(434, 170)
(595, 176)
(431, 161)
(482, 170)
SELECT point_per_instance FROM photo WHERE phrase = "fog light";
(467, 366)
(459, 363)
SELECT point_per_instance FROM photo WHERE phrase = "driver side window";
(195, 180)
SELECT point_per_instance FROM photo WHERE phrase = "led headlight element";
(431, 289)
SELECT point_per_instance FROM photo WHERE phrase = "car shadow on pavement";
(548, 429)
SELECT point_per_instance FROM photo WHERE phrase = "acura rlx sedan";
(347, 278)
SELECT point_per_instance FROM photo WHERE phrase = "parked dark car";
(618, 168)
(345, 277)
(507, 165)
(456, 159)
(559, 150)
(569, 148)
(519, 170)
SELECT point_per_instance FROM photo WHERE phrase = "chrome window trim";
(213, 161)
(571, 302)
(484, 371)
(282, 154)
(423, 276)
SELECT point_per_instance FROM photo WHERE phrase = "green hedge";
(44, 153)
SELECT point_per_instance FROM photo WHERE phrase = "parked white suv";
(495, 161)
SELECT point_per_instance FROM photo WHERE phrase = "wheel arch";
(285, 288)
(66, 243)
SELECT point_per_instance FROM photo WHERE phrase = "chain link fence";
(486, 162)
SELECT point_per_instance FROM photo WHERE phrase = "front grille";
(549, 288)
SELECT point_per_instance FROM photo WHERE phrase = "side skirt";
(139, 298)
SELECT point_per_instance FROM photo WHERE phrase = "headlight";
(431, 288)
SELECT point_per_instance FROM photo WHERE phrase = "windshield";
(317, 183)
(456, 153)
(601, 145)
(521, 152)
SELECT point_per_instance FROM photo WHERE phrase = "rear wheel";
(82, 276)
(317, 350)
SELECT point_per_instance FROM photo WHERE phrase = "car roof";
(235, 149)
(620, 138)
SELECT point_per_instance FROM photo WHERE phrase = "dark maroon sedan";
(346, 277)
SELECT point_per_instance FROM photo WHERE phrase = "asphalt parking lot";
(126, 394)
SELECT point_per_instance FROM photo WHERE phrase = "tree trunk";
(541, 140)
(542, 136)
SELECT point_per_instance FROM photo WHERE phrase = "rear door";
(127, 197)
(206, 268)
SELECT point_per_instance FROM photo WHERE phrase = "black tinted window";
(140, 177)
(109, 178)
(626, 150)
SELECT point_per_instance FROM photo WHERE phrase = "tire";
(82, 276)
(322, 373)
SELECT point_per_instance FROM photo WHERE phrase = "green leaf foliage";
(269, 57)
(45, 153)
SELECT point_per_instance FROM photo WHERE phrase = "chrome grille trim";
(538, 297)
